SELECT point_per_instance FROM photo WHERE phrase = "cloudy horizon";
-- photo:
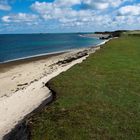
(50, 16)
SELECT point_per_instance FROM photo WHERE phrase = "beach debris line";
(72, 58)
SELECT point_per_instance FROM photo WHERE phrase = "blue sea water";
(18, 46)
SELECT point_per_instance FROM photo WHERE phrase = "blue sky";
(38, 16)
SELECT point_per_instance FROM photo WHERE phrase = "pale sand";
(22, 87)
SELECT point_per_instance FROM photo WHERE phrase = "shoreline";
(27, 103)
(34, 56)
(48, 54)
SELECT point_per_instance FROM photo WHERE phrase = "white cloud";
(116, 3)
(66, 3)
(62, 12)
(128, 16)
(62, 9)
(5, 7)
(127, 20)
(130, 10)
(5, 19)
(65, 15)
(103, 4)
(19, 18)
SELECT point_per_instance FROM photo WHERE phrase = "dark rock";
(19, 85)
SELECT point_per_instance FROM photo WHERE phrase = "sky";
(57, 16)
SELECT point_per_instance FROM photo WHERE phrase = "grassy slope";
(97, 99)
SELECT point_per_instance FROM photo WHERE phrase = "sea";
(20, 46)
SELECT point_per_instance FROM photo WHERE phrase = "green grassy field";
(98, 99)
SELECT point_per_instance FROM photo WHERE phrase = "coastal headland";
(29, 87)
(22, 83)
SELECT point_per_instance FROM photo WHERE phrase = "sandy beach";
(22, 84)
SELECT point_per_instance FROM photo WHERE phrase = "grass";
(98, 99)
